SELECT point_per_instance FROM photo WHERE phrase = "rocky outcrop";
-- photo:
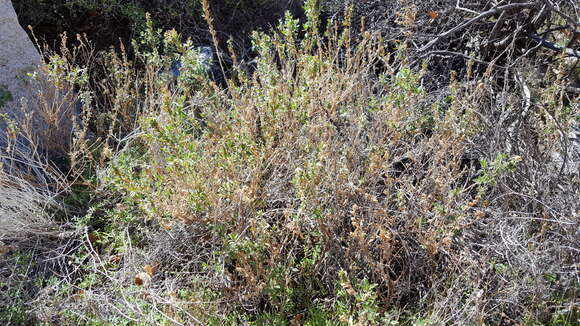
(45, 109)
(18, 57)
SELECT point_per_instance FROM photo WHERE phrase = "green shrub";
(292, 159)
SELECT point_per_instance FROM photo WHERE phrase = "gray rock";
(18, 57)
(25, 99)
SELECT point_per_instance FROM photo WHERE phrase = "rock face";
(48, 111)
(18, 56)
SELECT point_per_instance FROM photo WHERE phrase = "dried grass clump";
(34, 246)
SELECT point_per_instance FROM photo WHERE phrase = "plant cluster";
(326, 184)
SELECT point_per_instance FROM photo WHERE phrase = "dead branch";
(442, 52)
(491, 12)
(569, 19)
(549, 45)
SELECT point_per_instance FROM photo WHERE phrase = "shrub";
(324, 185)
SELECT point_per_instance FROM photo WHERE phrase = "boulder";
(18, 57)
(46, 110)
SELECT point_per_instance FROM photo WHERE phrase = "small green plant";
(15, 289)
(492, 171)
(356, 304)
(5, 95)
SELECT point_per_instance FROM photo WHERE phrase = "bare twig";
(481, 16)
(569, 19)
(549, 45)
(444, 52)
(458, 7)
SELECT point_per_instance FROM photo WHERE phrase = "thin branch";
(549, 45)
(570, 20)
(555, 29)
(498, 25)
(481, 16)
(443, 52)
(458, 7)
